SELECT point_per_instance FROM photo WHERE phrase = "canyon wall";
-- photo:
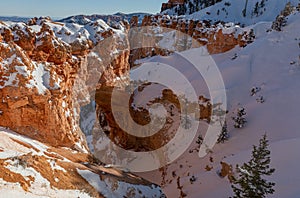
(48, 70)
(51, 69)
(186, 34)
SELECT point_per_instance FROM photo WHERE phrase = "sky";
(63, 8)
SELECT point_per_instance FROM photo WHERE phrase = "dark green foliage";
(279, 23)
(259, 8)
(255, 11)
(192, 6)
(251, 182)
(262, 4)
(250, 36)
(244, 12)
(281, 18)
(239, 119)
(224, 134)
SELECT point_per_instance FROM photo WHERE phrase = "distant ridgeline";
(14, 18)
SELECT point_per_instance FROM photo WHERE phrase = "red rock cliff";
(45, 66)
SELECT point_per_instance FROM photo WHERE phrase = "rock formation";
(50, 70)
(171, 3)
(40, 63)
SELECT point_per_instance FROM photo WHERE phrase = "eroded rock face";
(157, 35)
(112, 126)
(35, 97)
(47, 72)
(164, 34)
(171, 4)
(50, 69)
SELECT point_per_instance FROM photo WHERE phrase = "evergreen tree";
(250, 36)
(255, 11)
(251, 182)
(262, 3)
(239, 119)
(244, 12)
(281, 18)
(224, 134)
(279, 23)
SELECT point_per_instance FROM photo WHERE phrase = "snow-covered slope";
(271, 63)
(29, 168)
(232, 11)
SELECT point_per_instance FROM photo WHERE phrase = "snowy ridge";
(232, 11)
(110, 19)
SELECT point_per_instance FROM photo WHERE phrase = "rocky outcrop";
(47, 72)
(163, 34)
(50, 69)
(41, 62)
(227, 171)
(171, 4)
(31, 168)
(140, 116)
(35, 97)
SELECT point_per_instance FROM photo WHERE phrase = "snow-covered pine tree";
(224, 134)
(281, 18)
(250, 36)
(256, 8)
(251, 182)
(260, 99)
(255, 90)
(279, 23)
(239, 119)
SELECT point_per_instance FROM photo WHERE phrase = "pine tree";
(279, 23)
(262, 3)
(281, 18)
(224, 134)
(255, 11)
(239, 119)
(251, 182)
(244, 12)
(250, 36)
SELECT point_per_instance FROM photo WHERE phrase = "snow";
(13, 149)
(37, 80)
(264, 64)
(15, 190)
(10, 81)
(40, 187)
(233, 12)
(118, 188)
(54, 166)
(35, 28)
